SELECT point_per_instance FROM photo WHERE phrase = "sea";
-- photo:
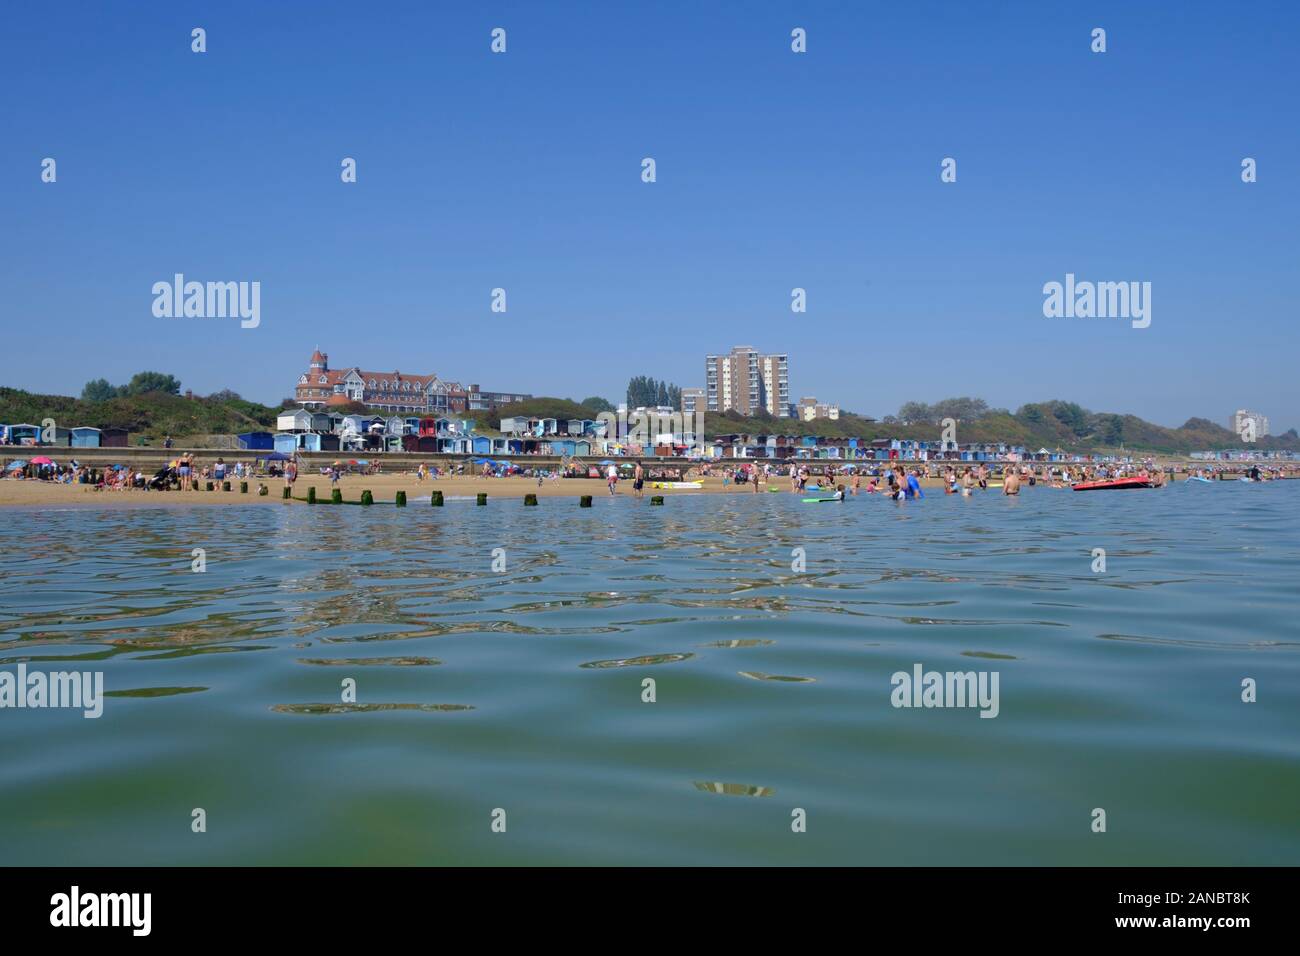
(723, 680)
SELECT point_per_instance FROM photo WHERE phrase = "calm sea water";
(522, 690)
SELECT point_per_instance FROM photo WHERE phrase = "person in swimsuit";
(638, 480)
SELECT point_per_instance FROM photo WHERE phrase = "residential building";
(693, 398)
(1239, 418)
(810, 409)
(747, 382)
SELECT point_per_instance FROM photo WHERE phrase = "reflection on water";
(1120, 689)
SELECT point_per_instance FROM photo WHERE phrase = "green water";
(522, 690)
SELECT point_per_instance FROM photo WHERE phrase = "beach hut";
(428, 428)
(321, 422)
(395, 426)
(309, 441)
(298, 420)
(582, 448)
(254, 441)
(85, 437)
(500, 446)
(410, 443)
(482, 445)
(573, 426)
(23, 434)
(286, 443)
(563, 447)
(427, 443)
(113, 437)
(330, 442)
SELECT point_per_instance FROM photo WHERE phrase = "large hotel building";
(748, 382)
(321, 387)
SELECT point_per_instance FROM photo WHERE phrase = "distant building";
(322, 387)
(693, 398)
(1242, 415)
(747, 382)
(810, 409)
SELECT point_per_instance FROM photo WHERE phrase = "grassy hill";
(153, 414)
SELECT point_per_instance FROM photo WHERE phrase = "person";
(167, 442)
(839, 493)
(1011, 482)
(857, 482)
(638, 480)
(914, 485)
(290, 474)
(611, 478)
(184, 471)
(219, 470)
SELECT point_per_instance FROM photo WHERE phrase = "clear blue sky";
(775, 170)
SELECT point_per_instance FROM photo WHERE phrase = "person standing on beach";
(290, 474)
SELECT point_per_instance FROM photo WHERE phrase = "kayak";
(676, 484)
(1208, 481)
(1112, 484)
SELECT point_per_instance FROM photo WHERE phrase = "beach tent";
(274, 456)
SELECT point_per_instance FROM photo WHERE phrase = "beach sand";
(383, 487)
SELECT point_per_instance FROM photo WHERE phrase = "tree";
(597, 404)
(142, 382)
(225, 395)
(98, 390)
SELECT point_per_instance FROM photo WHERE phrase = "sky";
(775, 170)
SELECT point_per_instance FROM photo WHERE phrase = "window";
(321, 380)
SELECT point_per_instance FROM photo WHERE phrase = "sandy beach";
(45, 493)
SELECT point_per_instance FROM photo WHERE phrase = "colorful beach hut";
(253, 441)
(85, 437)
(113, 437)
(286, 443)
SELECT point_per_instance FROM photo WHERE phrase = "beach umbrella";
(14, 465)
(119, 467)
(607, 462)
(41, 460)
(361, 462)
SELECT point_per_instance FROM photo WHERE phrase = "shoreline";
(36, 493)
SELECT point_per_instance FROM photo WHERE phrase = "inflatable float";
(676, 484)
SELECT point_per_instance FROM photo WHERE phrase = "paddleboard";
(1208, 481)
(1112, 484)
(812, 501)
